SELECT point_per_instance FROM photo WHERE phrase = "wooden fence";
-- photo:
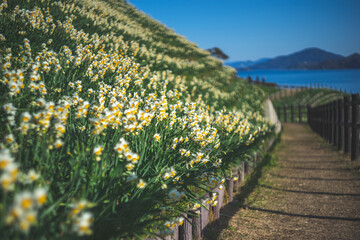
(292, 113)
(195, 225)
(337, 121)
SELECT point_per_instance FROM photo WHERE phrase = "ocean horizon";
(347, 80)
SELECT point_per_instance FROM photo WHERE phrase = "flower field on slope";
(111, 125)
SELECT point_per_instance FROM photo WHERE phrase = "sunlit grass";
(108, 128)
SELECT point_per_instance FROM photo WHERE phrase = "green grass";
(306, 97)
(111, 124)
(313, 97)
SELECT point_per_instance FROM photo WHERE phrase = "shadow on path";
(305, 192)
(315, 169)
(312, 193)
(303, 215)
(315, 179)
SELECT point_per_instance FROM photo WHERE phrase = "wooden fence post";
(204, 214)
(336, 123)
(242, 172)
(196, 226)
(327, 133)
(341, 124)
(319, 110)
(235, 172)
(292, 114)
(185, 230)
(230, 188)
(332, 122)
(309, 115)
(354, 129)
(300, 108)
(329, 122)
(220, 201)
(285, 117)
(323, 120)
(347, 136)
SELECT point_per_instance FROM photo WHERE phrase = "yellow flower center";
(26, 203)
(24, 225)
(31, 218)
(42, 199)
(5, 183)
(3, 164)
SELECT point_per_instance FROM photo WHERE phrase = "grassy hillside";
(312, 96)
(111, 124)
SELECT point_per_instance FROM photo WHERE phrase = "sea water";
(344, 80)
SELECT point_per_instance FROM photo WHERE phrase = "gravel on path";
(313, 192)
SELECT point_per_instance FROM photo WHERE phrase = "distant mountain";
(303, 59)
(350, 62)
(246, 64)
(310, 58)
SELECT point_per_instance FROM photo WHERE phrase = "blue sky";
(252, 29)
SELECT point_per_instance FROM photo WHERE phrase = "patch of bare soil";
(313, 192)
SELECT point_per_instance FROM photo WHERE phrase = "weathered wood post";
(327, 133)
(285, 117)
(230, 188)
(341, 124)
(292, 113)
(332, 109)
(354, 129)
(347, 135)
(329, 122)
(235, 172)
(185, 230)
(196, 225)
(336, 123)
(320, 121)
(300, 108)
(220, 202)
(242, 172)
(204, 214)
(323, 120)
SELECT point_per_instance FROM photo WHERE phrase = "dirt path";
(313, 192)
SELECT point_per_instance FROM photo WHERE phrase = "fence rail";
(296, 113)
(337, 121)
